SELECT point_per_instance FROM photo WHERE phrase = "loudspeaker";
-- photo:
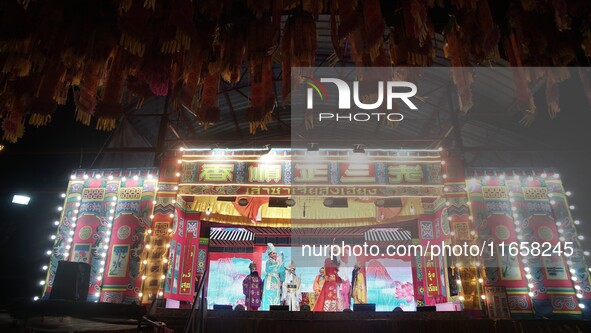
(278, 202)
(71, 281)
(222, 307)
(389, 202)
(336, 202)
(230, 199)
(278, 308)
(426, 308)
(364, 307)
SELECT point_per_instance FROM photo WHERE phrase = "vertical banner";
(182, 273)
(496, 303)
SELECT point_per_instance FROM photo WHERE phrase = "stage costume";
(274, 276)
(345, 296)
(358, 284)
(328, 300)
(319, 282)
(252, 287)
(290, 294)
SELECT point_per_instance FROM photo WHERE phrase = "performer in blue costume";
(274, 276)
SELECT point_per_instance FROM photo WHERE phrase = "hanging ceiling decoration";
(110, 55)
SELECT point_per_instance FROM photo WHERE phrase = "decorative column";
(122, 278)
(156, 250)
(462, 232)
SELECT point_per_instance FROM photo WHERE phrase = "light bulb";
(42, 282)
(44, 267)
(36, 298)
(530, 294)
(52, 237)
(480, 280)
(581, 305)
(530, 285)
(85, 177)
(73, 177)
(123, 179)
(135, 177)
(56, 222)
(483, 297)
(111, 177)
(48, 252)
(568, 193)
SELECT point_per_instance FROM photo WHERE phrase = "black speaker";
(426, 308)
(336, 202)
(364, 307)
(389, 202)
(222, 307)
(71, 281)
(278, 308)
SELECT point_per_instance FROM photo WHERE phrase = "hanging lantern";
(209, 112)
(298, 47)
(462, 77)
(109, 108)
(43, 104)
(232, 41)
(260, 72)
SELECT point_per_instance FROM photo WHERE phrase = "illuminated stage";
(153, 234)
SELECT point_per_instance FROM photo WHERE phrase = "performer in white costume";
(291, 295)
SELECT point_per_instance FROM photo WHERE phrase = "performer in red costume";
(328, 300)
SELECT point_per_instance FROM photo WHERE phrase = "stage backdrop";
(389, 281)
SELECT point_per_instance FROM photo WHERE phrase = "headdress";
(270, 248)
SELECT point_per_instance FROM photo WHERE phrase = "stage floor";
(364, 322)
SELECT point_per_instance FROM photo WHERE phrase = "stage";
(63, 316)
(365, 322)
